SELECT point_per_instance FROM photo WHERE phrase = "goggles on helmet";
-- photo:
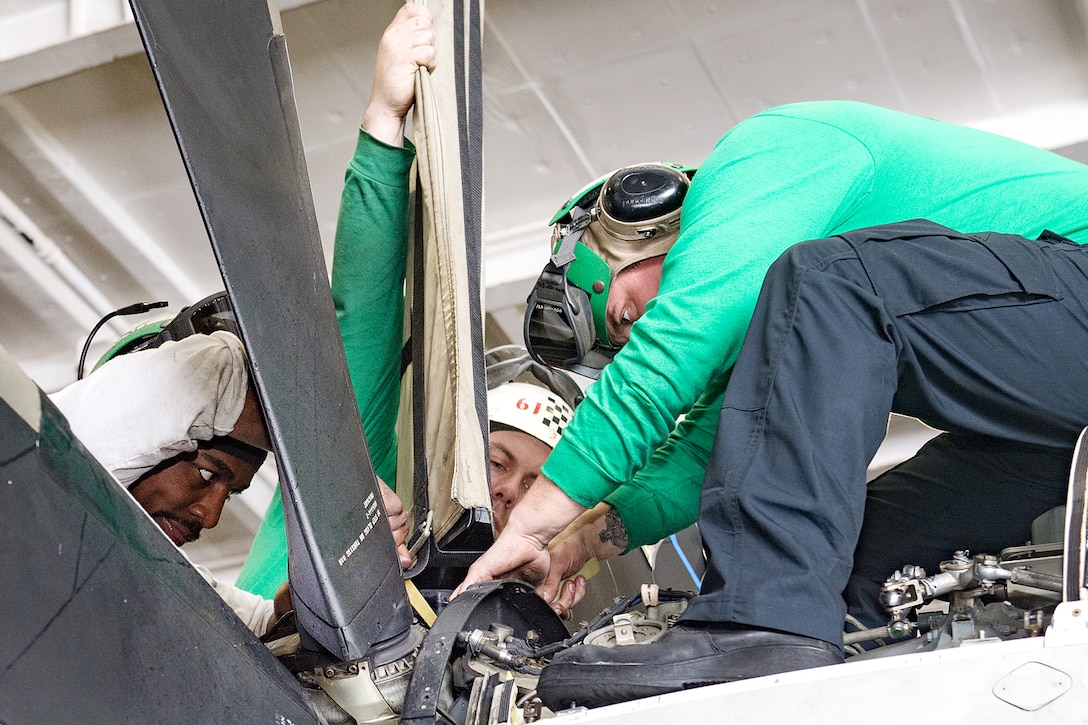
(561, 319)
(212, 313)
(625, 217)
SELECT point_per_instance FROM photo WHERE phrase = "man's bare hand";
(570, 594)
(406, 45)
(521, 551)
(508, 558)
(398, 523)
(567, 553)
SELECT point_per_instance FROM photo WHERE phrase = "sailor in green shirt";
(787, 175)
(790, 174)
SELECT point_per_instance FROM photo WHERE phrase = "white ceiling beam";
(44, 276)
(56, 23)
(59, 275)
(71, 56)
(86, 17)
(84, 198)
(514, 254)
(61, 38)
(40, 275)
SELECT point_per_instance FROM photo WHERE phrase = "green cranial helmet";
(620, 219)
(628, 215)
(206, 316)
(211, 314)
(138, 338)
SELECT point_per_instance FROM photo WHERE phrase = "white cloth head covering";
(140, 409)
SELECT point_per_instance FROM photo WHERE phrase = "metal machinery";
(990, 637)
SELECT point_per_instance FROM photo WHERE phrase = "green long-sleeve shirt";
(368, 271)
(798, 172)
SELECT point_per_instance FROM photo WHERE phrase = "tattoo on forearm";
(614, 531)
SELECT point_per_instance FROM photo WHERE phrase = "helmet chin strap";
(580, 220)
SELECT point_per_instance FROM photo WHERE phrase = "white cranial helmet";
(530, 409)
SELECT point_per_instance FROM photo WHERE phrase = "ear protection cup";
(638, 194)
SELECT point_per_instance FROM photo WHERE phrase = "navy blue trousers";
(984, 336)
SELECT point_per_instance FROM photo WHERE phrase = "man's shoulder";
(831, 112)
(811, 125)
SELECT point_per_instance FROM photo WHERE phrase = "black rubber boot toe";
(689, 655)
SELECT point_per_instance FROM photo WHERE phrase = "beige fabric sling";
(455, 434)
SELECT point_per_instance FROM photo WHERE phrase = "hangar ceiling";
(97, 213)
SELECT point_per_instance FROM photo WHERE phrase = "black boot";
(692, 654)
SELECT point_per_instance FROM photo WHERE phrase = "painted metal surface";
(953, 685)
(225, 78)
(104, 619)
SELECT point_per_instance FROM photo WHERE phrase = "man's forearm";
(598, 533)
(612, 537)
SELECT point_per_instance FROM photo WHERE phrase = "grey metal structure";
(1075, 556)
(225, 79)
(104, 620)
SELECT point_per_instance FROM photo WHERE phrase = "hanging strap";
(447, 411)
(470, 116)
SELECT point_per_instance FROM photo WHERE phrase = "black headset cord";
(136, 309)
